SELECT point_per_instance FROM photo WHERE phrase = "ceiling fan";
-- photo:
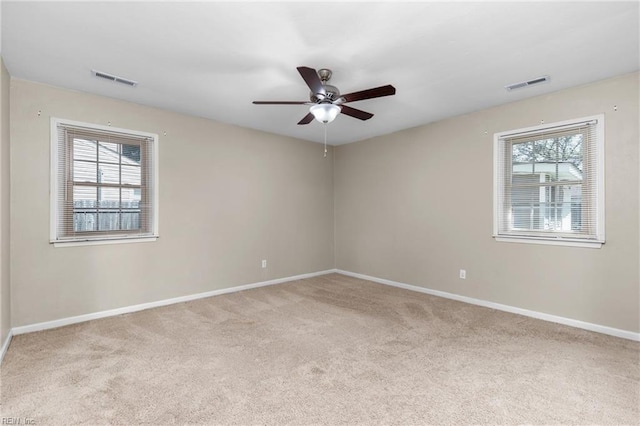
(326, 101)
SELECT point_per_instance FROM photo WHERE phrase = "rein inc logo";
(17, 421)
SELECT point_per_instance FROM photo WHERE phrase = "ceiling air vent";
(114, 78)
(522, 84)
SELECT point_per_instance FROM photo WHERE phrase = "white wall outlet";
(264, 263)
(463, 274)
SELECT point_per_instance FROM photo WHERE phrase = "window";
(549, 183)
(104, 184)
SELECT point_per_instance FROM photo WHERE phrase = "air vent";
(114, 78)
(522, 84)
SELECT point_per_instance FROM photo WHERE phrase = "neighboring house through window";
(104, 184)
(549, 183)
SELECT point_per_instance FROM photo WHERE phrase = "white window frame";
(599, 182)
(56, 184)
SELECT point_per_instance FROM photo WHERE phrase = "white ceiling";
(211, 59)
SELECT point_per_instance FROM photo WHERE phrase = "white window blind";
(549, 182)
(103, 183)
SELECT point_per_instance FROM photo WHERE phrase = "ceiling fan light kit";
(325, 112)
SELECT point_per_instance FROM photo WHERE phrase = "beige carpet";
(327, 350)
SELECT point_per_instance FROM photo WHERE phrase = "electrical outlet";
(264, 263)
(463, 274)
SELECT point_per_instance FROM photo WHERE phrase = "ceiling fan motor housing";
(331, 94)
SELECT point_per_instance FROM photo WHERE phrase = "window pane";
(566, 149)
(547, 208)
(553, 159)
(84, 150)
(525, 202)
(130, 220)
(560, 158)
(109, 197)
(544, 152)
(526, 216)
(109, 152)
(569, 154)
(576, 208)
(84, 171)
(131, 154)
(562, 208)
(108, 221)
(84, 222)
(109, 173)
(131, 175)
(130, 198)
(522, 157)
(84, 197)
(568, 171)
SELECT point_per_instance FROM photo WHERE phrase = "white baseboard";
(135, 308)
(129, 309)
(5, 345)
(630, 335)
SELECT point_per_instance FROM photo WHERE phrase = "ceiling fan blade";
(306, 119)
(282, 102)
(310, 76)
(376, 92)
(356, 113)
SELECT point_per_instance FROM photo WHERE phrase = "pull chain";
(325, 140)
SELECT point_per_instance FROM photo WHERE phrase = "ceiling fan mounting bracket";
(324, 74)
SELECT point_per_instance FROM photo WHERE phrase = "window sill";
(97, 242)
(550, 241)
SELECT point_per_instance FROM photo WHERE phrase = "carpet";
(325, 350)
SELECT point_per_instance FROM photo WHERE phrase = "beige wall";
(416, 206)
(5, 296)
(402, 204)
(229, 197)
